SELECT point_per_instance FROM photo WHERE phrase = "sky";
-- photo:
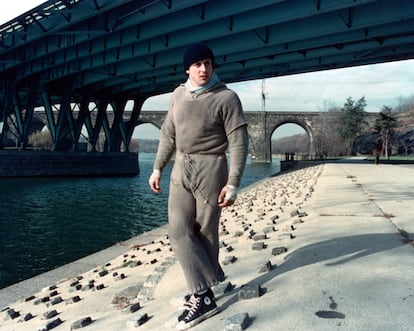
(381, 84)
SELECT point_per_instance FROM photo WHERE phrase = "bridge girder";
(136, 46)
(106, 50)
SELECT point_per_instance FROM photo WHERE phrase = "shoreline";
(324, 247)
(36, 283)
(26, 287)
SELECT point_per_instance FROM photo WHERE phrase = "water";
(48, 222)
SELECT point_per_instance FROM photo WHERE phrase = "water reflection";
(48, 222)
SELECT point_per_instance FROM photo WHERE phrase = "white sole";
(184, 326)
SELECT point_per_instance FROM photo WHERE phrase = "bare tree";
(405, 104)
(41, 140)
(327, 139)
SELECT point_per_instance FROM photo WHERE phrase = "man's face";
(200, 72)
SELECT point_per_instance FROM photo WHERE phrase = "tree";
(405, 103)
(327, 140)
(41, 140)
(352, 121)
(384, 127)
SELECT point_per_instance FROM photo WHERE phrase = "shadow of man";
(335, 252)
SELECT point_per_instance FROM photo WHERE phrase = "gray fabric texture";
(238, 141)
(193, 216)
(201, 124)
(200, 128)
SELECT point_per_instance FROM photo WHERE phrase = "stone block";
(137, 320)
(161, 270)
(30, 298)
(132, 264)
(41, 300)
(77, 287)
(131, 308)
(152, 280)
(228, 249)
(229, 260)
(56, 300)
(237, 322)
(269, 229)
(261, 236)
(265, 267)
(145, 294)
(249, 292)
(222, 288)
(50, 325)
(100, 287)
(294, 213)
(81, 323)
(258, 246)
(53, 293)
(126, 295)
(49, 314)
(88, 287)
(73, 300)
(119, 277)
(12, 314)
(27, 317)
(274, 218)
(279, 250)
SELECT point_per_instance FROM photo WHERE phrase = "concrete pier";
(14, 163)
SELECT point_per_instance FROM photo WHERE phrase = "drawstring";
(189, 170)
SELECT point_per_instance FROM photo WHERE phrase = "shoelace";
(192, 304)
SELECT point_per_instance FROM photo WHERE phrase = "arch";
(154, 123)
(147, 130)
(154, 117)
(301, 123)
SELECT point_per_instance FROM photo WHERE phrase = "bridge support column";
(17, 112)
(259, 138)
(5, 110)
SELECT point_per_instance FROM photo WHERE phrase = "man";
(204, 119)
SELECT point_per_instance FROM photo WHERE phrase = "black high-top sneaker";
(187, 305)
(199, 308)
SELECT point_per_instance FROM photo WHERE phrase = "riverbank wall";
(14, 163)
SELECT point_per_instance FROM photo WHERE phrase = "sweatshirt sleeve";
(165, 151)
(238, 148)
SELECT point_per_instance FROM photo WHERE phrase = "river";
(48, 222)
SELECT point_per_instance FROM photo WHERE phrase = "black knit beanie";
(195, 53)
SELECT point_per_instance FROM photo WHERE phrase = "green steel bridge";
(72, 58)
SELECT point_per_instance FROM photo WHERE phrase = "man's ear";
(187, 72)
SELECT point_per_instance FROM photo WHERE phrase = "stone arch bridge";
(261, 125)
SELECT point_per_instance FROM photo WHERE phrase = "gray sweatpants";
(193, 215)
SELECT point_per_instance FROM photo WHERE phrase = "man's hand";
(227, 196)
(154, 181)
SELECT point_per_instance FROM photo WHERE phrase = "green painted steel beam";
(133, 48)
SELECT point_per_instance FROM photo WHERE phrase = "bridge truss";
(69, 58)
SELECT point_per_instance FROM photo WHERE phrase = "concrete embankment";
(327, 247)
(14, 163)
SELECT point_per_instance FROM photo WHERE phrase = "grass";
(394, 159)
